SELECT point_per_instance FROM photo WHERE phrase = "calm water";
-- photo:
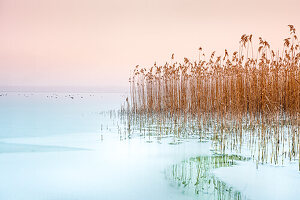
(62, 146)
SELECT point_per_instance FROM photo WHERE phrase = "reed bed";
(243, 101)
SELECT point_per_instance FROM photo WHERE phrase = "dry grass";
(233, 100)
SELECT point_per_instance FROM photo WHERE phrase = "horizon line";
(92, 89)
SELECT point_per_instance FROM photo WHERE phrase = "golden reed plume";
(232, 100)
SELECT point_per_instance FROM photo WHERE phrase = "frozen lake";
(62, 146)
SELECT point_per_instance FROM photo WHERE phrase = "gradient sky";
(92, 43)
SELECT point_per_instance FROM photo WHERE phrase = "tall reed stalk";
(233, 100)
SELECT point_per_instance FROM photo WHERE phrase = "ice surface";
(111, 169)
(17, 148)
(55, 148)
(263, 181)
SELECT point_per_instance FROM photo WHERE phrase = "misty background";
(93, 45)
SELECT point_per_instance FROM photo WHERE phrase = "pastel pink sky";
(92, 43)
